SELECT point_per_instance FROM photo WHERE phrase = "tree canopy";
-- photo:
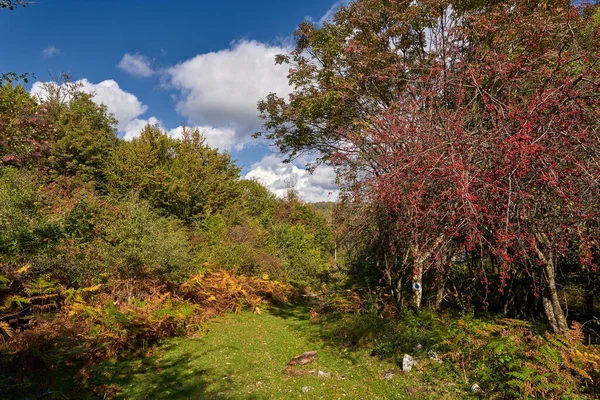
(472, 125)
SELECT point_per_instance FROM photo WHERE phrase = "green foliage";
(138, 243)
(83, 141)
(516, 359)
(300, 249)
(259, 202)
(25, 229)
(182, 177)
(102, 241)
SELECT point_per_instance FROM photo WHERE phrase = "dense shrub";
(90, 324)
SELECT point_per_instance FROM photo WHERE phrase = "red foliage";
(497, 147)
(24, 127)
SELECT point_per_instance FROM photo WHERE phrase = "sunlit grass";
(244, 356)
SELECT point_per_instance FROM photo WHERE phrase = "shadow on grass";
(174, 378)
(318, 332)
(288, 311)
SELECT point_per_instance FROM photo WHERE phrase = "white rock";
(322, 374)
(407, 363)
(476, 389)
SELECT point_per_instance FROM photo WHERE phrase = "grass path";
(244, 356)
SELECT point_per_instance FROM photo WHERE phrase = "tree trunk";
(399, 291)
(590, 289)
(552, 307)
(417, 287)
(556, 316)
(420, 261)
(441, 287)
(417, 278)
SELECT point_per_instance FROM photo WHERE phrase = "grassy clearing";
(244, 356)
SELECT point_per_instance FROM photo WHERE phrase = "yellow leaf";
(92, 288)
(24, 269)
(5, 327)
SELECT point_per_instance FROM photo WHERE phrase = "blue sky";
(202, 63)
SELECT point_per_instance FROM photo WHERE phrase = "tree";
(12, 4)
(24, 128)
(84, 137)
(183, 177)
(350, 72)
(471, 126)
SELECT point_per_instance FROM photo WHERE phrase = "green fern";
(15, 300)
(4, 281)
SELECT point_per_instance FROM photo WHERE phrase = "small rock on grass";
(304, 358)
(434, 356)
(476, 389)
(322, 374)
(305, 389)
(389, 374)
(407, 363)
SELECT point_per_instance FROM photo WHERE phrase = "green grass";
(244, 356)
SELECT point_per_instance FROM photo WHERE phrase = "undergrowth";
(60, 333)
(508, 358)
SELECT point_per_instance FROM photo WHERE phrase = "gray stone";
(322, 374)
(407, 363)
(476, 389)
(434, 356)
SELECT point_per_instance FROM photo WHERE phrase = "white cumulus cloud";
(278, 177)
(218, 138)
(136, 65)
(221, 89)
(50, 51)
(135, 127)
(222, 139)
(125, 106)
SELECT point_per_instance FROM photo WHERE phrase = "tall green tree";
(183, 177)
(84, 137)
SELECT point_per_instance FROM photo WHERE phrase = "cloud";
(135, 127)
(125, 106)
(136, 65)
(218, 138)
(222, 139)
(328, 16)
(278, 177)
(50, 51)
(221, 89)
